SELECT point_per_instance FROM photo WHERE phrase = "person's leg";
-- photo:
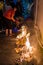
(10, 28)
(6, 32)
(10, 32)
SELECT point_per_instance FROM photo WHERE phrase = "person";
(9, 20)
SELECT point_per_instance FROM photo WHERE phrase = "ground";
(7, 50)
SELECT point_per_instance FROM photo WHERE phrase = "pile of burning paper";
(23, 45)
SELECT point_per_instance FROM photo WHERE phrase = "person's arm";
(12, 18)
(15, 20)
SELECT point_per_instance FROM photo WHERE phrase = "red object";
(8, 14)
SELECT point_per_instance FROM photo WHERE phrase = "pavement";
(7, 52)
(8, 56)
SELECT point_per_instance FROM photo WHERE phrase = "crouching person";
(9, 18)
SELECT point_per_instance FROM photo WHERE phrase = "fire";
(28, 46)
(26, 50)
(23, 32)
(27, 43)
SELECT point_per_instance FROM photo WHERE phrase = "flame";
(26, 50)
(23, 32)
(27, 43)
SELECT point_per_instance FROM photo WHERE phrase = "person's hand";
(17, 22)
(13, 19)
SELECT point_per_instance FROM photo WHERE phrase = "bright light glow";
(23, 32)
(27, 43)
(26, 50)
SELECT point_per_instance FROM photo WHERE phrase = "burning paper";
(26, 49)
(23, 32)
